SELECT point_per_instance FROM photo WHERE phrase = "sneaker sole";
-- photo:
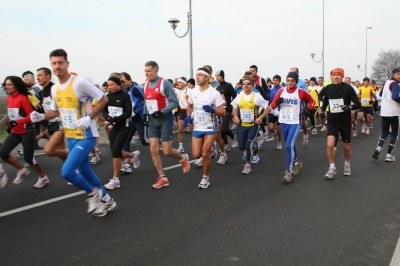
(347, 174)
(327, 176)
(113, 205)
(166, 185)
(375, 155)
(41, 186)
(298, 170)
(200, 187)
(112, 188)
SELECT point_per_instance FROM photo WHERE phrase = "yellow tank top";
(70, 110)
(365, 93)
(248, 111)
(314, 95)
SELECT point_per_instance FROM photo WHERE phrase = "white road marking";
(396, 256)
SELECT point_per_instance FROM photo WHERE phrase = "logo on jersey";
(290, 101)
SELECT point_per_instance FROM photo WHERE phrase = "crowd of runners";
(211, 109)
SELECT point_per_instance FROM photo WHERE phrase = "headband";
(338, 70)
(115, 80)
(181, 80)
(396, 70)
(203, 72)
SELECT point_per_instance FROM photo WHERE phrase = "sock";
(43, 175)
(305, 136)
(180, 144)
(164, 177)
(332, 165)
(346, 162)
(106, 198)
(116, 178)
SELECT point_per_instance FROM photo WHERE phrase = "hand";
(84, 122)
(108, 119)
(306, 111)
(236, 119)
(36, 117)
(275, 112)
(258, 121)
(371, 102)
(346, 108)
(279, 101)
(187, 121)
(12, 123)
(208, 109)
(110, 127)
(157, 114)
(146, 120)
(322, 115)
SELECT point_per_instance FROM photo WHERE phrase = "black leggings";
(12, 141)
(225, 131)
(387, 122)
(117, 139)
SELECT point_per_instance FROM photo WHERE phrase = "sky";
(105, 36)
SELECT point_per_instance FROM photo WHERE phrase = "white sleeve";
(218, 100)
(84, 89)
(189, 93)
(53, 105)
(260, 101)
(235, 102)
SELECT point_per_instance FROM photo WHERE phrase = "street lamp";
(174, 23)
(323, 40)
(366, 51)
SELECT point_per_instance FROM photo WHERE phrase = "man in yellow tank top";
(367, 98)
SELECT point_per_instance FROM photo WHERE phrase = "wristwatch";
(91, 117)
(262, 117)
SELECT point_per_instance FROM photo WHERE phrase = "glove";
(133, 114)
(279, 101)
(187, 121)
(146, 120)
(371, 102)
(108, 119)
(208, 109)
(346, 108)
(84, 122)
(275, 112)
(157, 114)
(36, 117)
(12, 123)
(322, 115)
(306, 111)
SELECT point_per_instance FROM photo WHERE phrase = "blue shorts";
(202, 134)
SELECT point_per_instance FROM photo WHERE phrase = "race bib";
(114, 111)
(386, 97)
(334, 105)
(152, 106)
(286, 116)
(13, 114)
(183, 103)
(202, 120)
(247, 116)
(364, 100)
(69, 118)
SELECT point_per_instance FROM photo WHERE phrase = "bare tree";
(384, 64)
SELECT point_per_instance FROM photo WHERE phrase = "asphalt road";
(238, 220)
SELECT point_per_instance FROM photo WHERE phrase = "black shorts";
(366, 110)
(273, 119)
(54, 127)
(182, 114)
(345, 132)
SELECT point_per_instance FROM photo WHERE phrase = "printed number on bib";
(202, 120)
(13, 114)
(334, 105)
(183, 103)
(247, 116)
(364, 101)
(114, 111)
(286, 116)
(152, 106)
(69, 118)
(385, 97)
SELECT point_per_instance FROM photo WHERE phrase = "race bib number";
(386, 97)
(247, 116)
(13, 114)
(69, 118)
(364, 101)
(152, 106)
(334, 105)
(286, 116)
(114, 111)
(183, 103)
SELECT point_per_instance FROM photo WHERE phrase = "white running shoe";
(323, 128)
(94, 199)
(287, 177)
(305, 140)
(347, 171)
(314, 131)
(20, 152)
(227, 148)
(389, 158)
(112, 184)
(204, 183)
(181, 149)
(214, 152)
(266, 137)
(331, 172)
(126, 168)
(367, 131)
(222, 158)
(108, 143)
(95, 159)
(260, 141)
(69, 184)
(104, 208)
(133, 141)
(234, 142)
(3, 177)
(21, 174)
(363, 128)
(247, 169)
(42, 181)
(199, 162)
(135, 160)
(279, 146)
(255, 158)
(354, 132)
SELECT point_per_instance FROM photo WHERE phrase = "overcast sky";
(103, 36)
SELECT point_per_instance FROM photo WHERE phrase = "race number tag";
(247, 116)
(152, 106)
(13, 114)
(364, 101)
(334, 105)
(183, 103)
(114, 111)
(386, 96)
(69, 118)
(286, 116)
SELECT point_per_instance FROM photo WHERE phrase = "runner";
(313, 89)
(367, 96)
(191, 83)
(205, 103)
(249, 103)
(182, 95)
(22, 131)
(273, 123)
(160, 100)
(290, 117)
(390, 111)
(71, 98)
(347, 80)
(338, 97)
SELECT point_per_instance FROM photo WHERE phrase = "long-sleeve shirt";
(304, 96)
(120, 101)
(19, 110)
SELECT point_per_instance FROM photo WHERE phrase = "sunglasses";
(246, 83)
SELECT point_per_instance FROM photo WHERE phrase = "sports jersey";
(182, 98)
(119, 107)
(249, 105)
(390, 105)
(19, 109)
(313, 90)
(159, 95)
(367, 94)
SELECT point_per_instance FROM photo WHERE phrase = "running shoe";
(112, 184)
(204, 183)
(347, 171)
(181, 149)
(323, 128)
(104, 208)
(227, 148)
(26, 165)
(331, 172)
(42, 181)
(222, 158)
(199, 162)
(20, 152)
(214, 153)
(185, 163)
(21, 174)
(94, 199)
(266, 137)
(305, 140)
(135, 159)
(279, 146)
(161, 182)
(3, 177)
(363, 128)
(371, 126)
(287, 177)
(314, 131)
(389, 158)
(126, 168)
(45, 135)
(255, 158)
(133, 141)
(377, 151)
(247, 169)
(296, 167)
(95, 159)
(367, 131)
(234, 142)
(260, 141)
(69, 184)
(354, 132)
(244, 156)
(108, 143)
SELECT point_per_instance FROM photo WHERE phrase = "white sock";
(180, 144)
(116, 178)
(332, 165)
(106, 198)
(346, 162)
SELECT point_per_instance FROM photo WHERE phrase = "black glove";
(146, 120)
(371, 102)
(157, 114)
(346, 108)
(306, 111)
(108, 119)
(12, 123)
(322, 115)
(279, 101)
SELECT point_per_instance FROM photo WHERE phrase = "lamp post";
(366, 51)
(174, 23)
(323, 40)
